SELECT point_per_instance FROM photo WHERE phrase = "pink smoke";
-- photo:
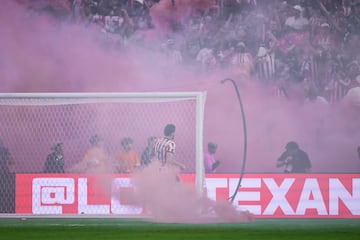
(164, 11)
(38, 54)
(167, 200)
(41, 55)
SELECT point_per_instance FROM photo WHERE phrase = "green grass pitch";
(109, 229)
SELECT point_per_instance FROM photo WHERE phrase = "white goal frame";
(98, 97)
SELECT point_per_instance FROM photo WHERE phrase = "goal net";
(31, 123)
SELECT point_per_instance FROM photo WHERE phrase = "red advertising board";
(265, 195)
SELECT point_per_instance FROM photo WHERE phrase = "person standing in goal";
(209, 158)
(6, 159)
(165, 148)
(55, 160)
(95, 158)
(149, 152)
(127, 159)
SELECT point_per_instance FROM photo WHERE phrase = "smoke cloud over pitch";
(39, 54)
(167, 200)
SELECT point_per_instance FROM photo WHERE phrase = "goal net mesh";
(30, 126)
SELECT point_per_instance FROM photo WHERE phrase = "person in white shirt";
(297, 21)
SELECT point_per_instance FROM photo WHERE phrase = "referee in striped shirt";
(165, 147)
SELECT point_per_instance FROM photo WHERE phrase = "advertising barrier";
(265, 195)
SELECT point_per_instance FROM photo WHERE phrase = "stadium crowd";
(309, 44)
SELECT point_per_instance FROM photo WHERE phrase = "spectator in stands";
(148, 154)
(294, 159)
(352, 98)
(297, 21)
(242, 62)
(314, 97)
(77, 10)
(324, 44)
(127, 159)
(5, 159)
(55, 160)
(208, 36)
(127, 25)
(165, 148)
(209, 158)
(324, 40)
(206, 58)
(337, 87)
(264, 63)
(171, 50)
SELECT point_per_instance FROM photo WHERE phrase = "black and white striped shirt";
(162, 147)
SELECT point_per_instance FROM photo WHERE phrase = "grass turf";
(109, 229)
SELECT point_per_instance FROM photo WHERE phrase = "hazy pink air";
(39, 54)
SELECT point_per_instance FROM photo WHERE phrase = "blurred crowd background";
(302, 49)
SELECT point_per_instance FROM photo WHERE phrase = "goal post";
(31, 123)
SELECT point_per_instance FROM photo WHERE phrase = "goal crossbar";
(28, 99)
(58, 98)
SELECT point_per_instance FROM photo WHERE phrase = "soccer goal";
(31, 123)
